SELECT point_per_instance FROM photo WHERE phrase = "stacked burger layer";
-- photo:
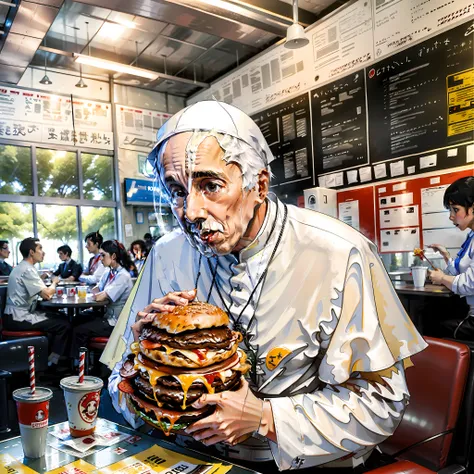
(180, 356)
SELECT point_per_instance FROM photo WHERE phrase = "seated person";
(69, 270)
(24, 288)
(115, 285)
(5, 268)
(138, 252)
(95, 268)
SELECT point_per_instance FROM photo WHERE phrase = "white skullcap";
(218, 117)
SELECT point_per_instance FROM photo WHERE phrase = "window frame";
(35, 199)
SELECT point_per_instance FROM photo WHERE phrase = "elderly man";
(323, 327)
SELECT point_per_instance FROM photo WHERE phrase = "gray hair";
(235, 151)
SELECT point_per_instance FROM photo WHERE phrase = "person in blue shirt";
(138, 253)
(5, 268)
(95, 268)
(114, 286)
(69, 269)
(459, 274)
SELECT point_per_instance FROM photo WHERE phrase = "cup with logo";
(33, 414)
(71, 291)
(59, 291)
(82, 403)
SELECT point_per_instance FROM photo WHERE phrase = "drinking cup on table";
(59, 291)
(33, 413)
(82, 403)
(419, 276)
(71, 291)
(81, 292)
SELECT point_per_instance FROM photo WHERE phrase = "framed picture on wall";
(152, 218)
(140, 217)
(142, 168)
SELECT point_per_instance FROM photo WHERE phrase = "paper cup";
(419, 276)
(59, 291)
(33, 415)
(81, 292)
(71, 291)
(82, 403)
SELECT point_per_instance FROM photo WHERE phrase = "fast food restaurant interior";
(364, 111)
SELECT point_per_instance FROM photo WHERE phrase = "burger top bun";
(195, 315)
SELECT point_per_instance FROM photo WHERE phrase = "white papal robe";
(324, 320)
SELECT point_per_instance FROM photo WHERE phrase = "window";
(57, 173)
(15, 170)
(16, 223)
(57, 225)
(97, 219)
(98, 177)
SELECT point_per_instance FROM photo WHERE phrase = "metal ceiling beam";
(7, 4)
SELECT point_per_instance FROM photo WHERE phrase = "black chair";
(14, 359)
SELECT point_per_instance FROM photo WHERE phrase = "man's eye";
(212, 187)
(177, 193)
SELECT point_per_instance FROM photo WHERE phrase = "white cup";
(419, 276)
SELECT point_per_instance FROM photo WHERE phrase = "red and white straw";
(31, 368)
(82, 356)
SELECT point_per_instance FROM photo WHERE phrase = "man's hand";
(100, 296)
(55, 280)
(238, 414)
(161, 305)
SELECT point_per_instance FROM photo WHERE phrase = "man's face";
(91, 246)
(38, 254)
(63, 256)
(208, 200)
(4, 251)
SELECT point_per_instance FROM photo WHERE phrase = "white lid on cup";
(72, 383)
(42, 394)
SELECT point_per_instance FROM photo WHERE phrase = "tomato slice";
(149, 344)
(125, 386)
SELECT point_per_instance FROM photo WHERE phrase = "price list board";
(422, 99)
(287, 129)
(339, 124)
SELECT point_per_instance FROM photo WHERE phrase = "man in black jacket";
(69, 270)
(5, 268)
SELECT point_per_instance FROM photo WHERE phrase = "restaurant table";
(416, 300)
(55, 458)
(73, 304)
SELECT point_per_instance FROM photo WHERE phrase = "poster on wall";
(287, 129)
(401, 23)
(137, 128)
(339, 124)
(339, 44)
(422, 99)
(48, 118)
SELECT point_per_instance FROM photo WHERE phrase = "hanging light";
(81, 84)
(46, 80)
(295, 37)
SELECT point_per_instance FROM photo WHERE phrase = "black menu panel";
(286, 127)
(339, 124)
(422, 99)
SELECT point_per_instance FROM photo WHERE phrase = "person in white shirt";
(95, 268)
(459, 273)
(114, 286)
(138, 253)
(25, 286)
(323, 327)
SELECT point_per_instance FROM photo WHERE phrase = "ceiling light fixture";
(295, 37)
(81, 84)
(45, 81)
(113, 66)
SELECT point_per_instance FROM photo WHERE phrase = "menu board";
(339, 124)
(422, 99)
(286, 128)
(137, 128)
(48, 118)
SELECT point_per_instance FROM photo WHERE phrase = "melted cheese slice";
(185, 380)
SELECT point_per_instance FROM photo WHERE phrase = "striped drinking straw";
(31, 368)
(82, 356)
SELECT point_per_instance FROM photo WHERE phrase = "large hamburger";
(180, 356)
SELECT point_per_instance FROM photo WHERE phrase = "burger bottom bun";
(178, 358)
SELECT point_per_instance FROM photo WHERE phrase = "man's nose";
(195, 206)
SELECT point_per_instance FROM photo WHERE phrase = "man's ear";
(263, 184)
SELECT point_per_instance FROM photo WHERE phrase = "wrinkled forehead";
(188, 149)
